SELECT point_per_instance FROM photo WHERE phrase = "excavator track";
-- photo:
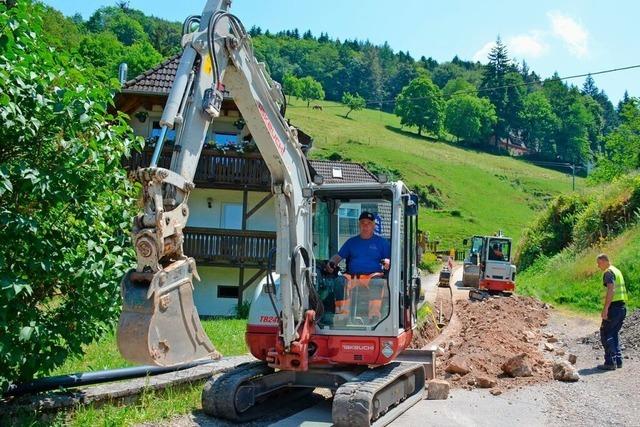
(219, 394)
(378, 396)
(232, 397)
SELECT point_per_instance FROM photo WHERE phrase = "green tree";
(140, 57)
(310, 89)
(470, 118)
(421, 104)
(102, 51)
(622, 146)
(493, 85)
(539, 124)
(353, 103)
(291, 86)
(126, 29)
(65, 202)
(458, 86)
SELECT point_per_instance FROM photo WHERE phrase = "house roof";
(335, 172)
(156, 81)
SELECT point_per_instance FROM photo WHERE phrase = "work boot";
(619, 363)
(606, 367)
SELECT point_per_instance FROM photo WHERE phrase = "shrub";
(610, 214)
(429, 262)
(551, 232)
(242, 310)
(65, 205)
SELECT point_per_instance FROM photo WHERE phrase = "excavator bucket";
(159, 324)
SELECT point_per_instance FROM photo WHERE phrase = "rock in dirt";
(486, 382)
(563, 370)
(458, 365)
(495, 391)
(552, 339)
(517, 366)
(437, 390)
(529, 336)
(559, 352)
(548, 346)
(573, 359)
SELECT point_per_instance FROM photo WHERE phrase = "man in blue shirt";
(367, 256)
(365, 253)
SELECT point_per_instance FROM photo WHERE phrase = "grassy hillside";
(574, 279)
(481, 193)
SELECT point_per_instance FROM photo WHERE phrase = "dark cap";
(367, 215)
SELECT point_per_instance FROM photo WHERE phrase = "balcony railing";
(215, 170)
(215, 246)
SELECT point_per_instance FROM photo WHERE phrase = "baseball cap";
(367, 215)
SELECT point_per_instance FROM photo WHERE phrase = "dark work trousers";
(609, 330)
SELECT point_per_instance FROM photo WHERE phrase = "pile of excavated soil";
(493, 331)
(629, 335)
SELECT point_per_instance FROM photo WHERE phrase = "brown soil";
(490, 333)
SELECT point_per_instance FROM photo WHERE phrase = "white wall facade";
(205, 293)
(214, 208)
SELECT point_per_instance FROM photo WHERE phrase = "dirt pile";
(629, 336)
(630, 333)
(498, 344)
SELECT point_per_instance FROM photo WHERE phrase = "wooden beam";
(252, 279)
(242, 285)
(258, 205)
(245, 205)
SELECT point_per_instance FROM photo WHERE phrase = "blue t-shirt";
(363, 255)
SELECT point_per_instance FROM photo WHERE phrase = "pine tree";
(493, 86)
(589, 87)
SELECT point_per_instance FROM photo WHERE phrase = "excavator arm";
(159, 323)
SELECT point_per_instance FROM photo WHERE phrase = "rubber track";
(353, 401)
(218, 395)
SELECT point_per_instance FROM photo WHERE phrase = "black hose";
(97, 377)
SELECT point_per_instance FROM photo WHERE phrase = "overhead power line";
(491, 89)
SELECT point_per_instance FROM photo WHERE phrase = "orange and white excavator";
(300, 337)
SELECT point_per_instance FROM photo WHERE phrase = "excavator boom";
(159, 323)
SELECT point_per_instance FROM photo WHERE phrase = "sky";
(570, 37)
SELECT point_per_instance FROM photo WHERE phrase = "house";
(231, 227)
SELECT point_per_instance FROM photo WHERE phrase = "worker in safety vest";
(613, 313)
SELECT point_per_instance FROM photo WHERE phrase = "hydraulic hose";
(97, 377)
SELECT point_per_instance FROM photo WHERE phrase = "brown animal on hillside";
(317, 107)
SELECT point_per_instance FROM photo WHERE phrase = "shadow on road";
(591, 371)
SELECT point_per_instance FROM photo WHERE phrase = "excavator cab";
(351, 299)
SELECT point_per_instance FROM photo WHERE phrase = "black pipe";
(97, 377)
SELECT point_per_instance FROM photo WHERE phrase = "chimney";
(122, 73)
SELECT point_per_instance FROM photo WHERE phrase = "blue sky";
(570, 37)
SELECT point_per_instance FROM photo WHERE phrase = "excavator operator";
(496, 253)
(367, 256)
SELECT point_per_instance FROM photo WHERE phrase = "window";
(227, 291)
(232, 216)
(156, 129)
(348, 214)
(222, 139)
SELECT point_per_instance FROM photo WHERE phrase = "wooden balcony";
(220, 247)
(216, 170)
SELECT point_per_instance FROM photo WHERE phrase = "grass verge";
(573, 280)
